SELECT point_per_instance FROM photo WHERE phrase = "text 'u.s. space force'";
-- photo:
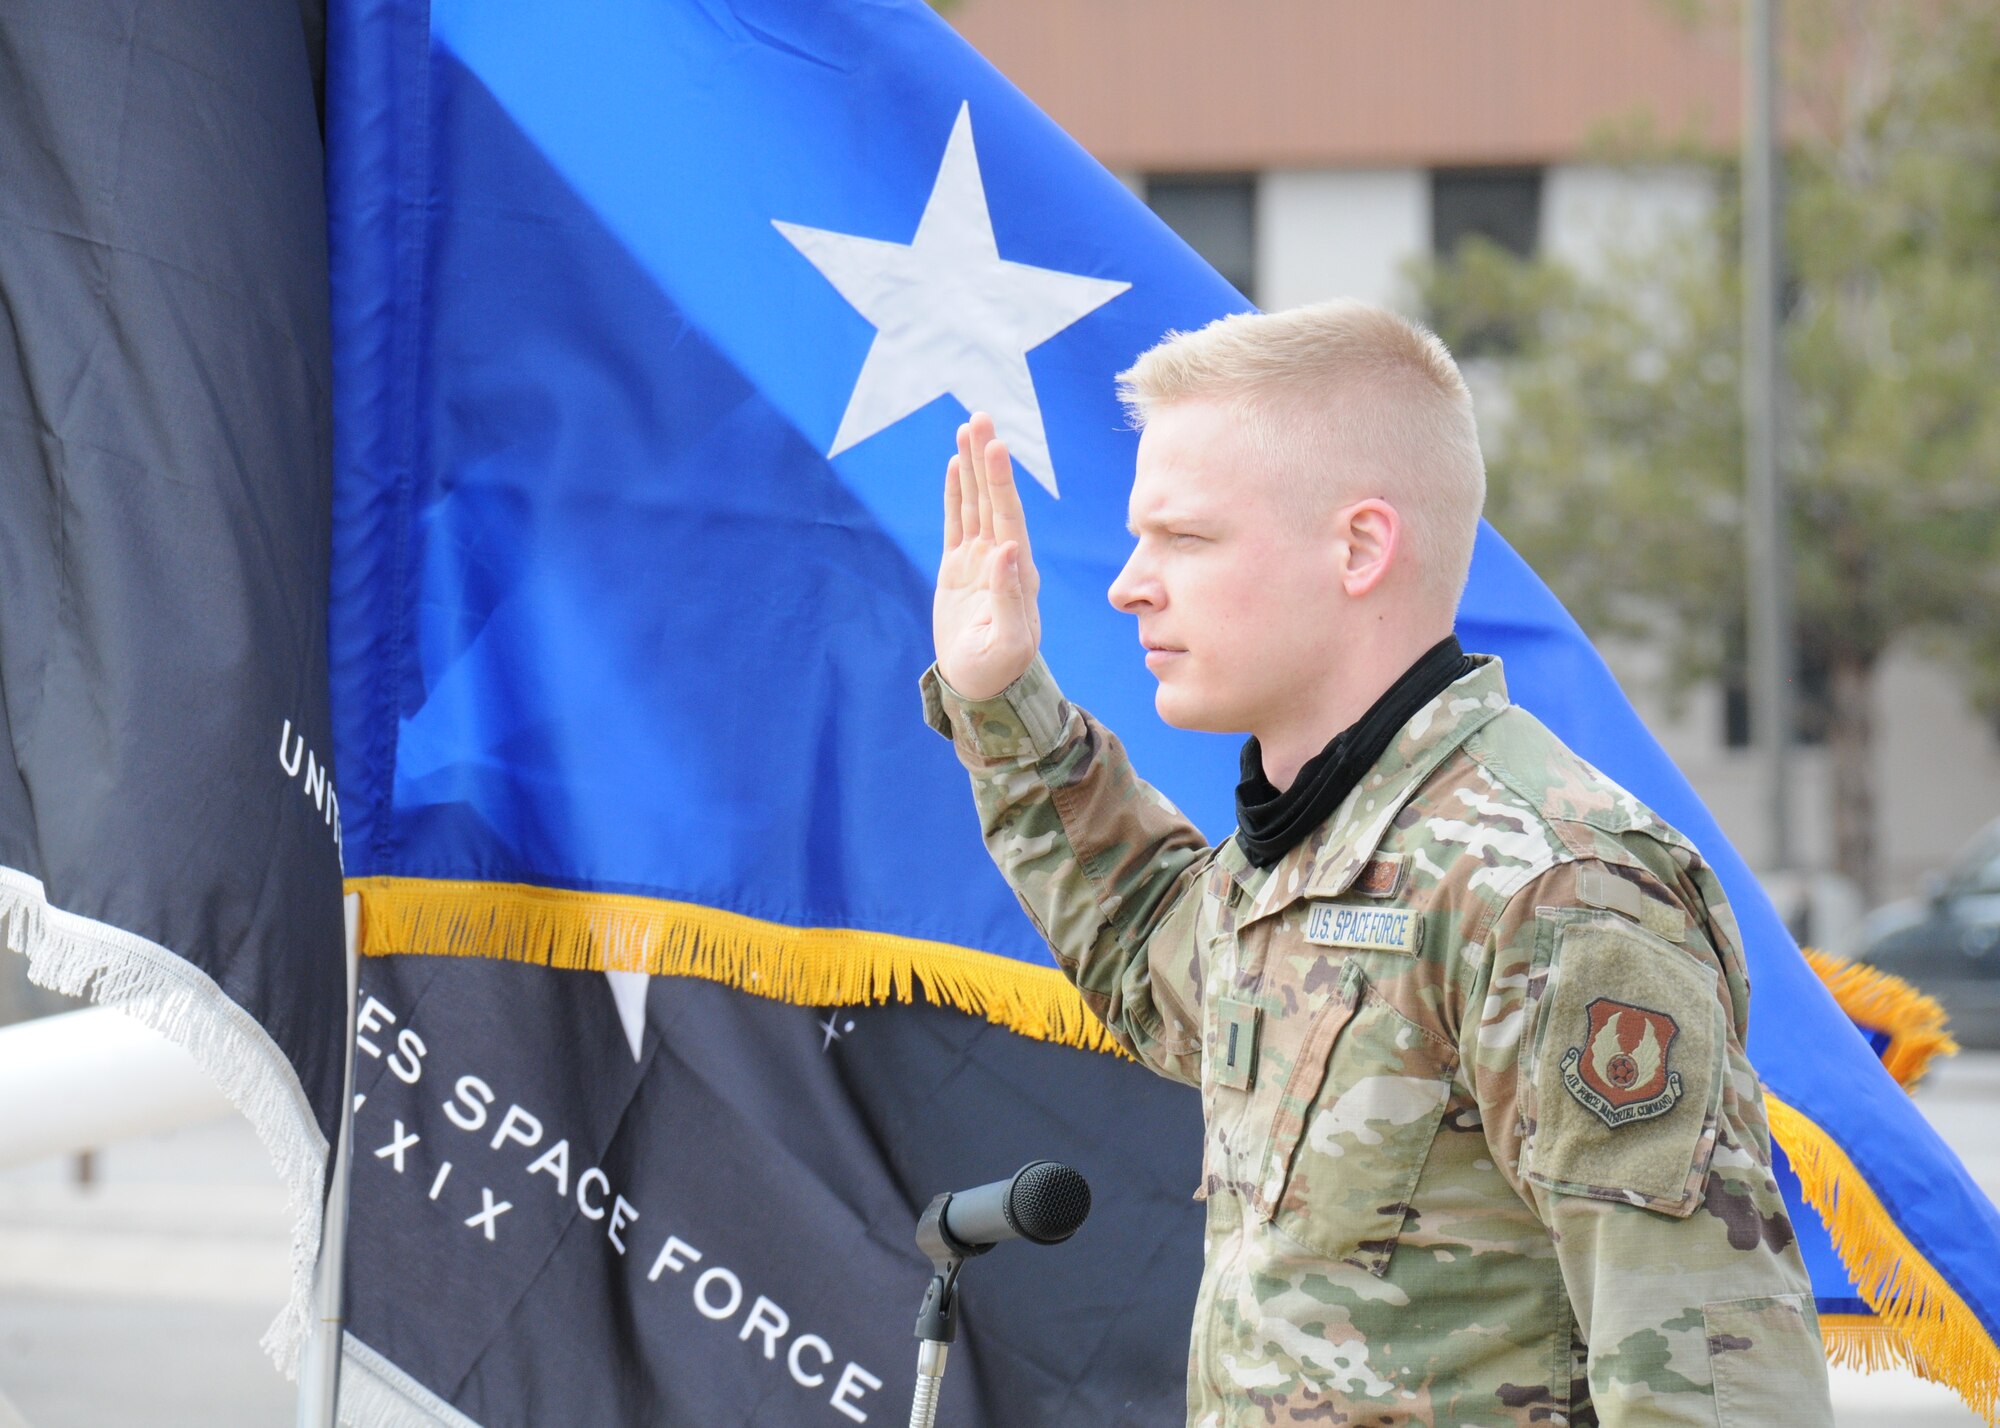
(716, 1291)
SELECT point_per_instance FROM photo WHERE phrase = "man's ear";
(1370, 535)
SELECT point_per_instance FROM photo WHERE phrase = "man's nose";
(1134, 588)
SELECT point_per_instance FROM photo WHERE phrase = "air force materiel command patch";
(1620, 1072)
(1368, 929)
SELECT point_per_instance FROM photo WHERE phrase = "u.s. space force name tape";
(1368, 929)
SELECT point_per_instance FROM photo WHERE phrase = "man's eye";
(1183, 538)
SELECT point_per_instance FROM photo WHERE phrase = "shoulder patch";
(1621, 1073)
(1628, 1055)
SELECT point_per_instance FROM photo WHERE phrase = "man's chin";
(1181, 709)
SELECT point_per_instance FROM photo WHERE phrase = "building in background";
(1311, 150)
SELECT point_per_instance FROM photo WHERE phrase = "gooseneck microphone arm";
(1043, 1202)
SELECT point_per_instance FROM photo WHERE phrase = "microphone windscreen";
(1047, 1202)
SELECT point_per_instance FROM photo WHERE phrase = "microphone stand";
(937, 1320)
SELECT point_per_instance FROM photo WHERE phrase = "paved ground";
(139, 1299)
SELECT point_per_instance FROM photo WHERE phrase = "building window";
(1812, 693)
(1215, 214)
(1501, 205)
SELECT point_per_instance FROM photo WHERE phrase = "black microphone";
(1043, 1202)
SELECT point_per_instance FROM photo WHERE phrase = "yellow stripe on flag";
(807, 966)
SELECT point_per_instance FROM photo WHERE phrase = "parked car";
(1947, 940)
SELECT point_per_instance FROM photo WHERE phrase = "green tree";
(1615, 435)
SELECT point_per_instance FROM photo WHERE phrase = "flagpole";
(319, 1365)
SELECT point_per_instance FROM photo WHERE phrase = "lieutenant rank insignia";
(1620, 1073)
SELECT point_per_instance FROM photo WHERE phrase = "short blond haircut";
(1344, 400)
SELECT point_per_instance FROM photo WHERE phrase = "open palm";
(984, 619)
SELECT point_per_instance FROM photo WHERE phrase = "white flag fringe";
(82, 958)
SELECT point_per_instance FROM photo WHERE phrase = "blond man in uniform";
(1467, 1019)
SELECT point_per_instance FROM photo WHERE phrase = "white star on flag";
(628, 991)
(951, 315)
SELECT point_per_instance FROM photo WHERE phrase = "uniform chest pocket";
(1353, 1127)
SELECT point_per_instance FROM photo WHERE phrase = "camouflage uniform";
(1483, 1146)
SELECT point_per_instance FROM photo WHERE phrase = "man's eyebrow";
(1166, 519)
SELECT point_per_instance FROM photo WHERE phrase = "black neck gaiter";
(1269, 823)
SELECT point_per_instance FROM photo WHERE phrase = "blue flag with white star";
(654, 320)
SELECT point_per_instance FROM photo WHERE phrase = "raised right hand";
(984, 619)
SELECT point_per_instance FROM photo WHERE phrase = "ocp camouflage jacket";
(1483, 1146)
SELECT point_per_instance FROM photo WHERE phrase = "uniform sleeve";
(1108, 870)
(1608, 1061)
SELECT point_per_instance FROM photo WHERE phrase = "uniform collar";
(1327, 861)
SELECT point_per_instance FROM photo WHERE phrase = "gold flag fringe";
(1883, 1002)
(1861, 1341)
(1922, 1324)
(807, 966)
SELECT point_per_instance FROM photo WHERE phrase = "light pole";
(1768, 573)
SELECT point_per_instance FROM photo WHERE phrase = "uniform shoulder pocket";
(1628, 1054)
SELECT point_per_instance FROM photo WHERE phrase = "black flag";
(698, 1207)
(168, 831)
